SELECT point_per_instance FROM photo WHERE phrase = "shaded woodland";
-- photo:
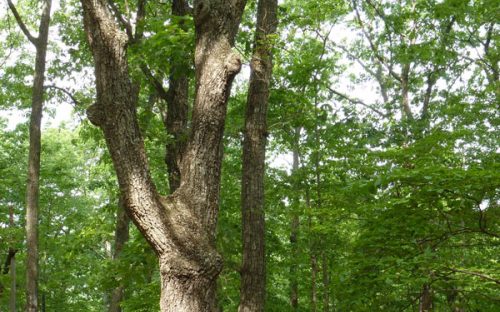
(250, 156)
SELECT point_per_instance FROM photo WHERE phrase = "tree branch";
(160, 90)
(374, 48)
(21, 24)
(69, 94)
(480, 275)
(124, 22)
(357, 101)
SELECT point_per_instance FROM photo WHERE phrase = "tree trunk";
(253, 271)
(32, 190)
(181, 227)
(425, 299)
(326, 282)
(177, 107)
(12, 298)
(314, 275)
(121, 237)
(294, 230)
(12, 265)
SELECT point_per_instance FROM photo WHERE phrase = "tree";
(180, 227)
(253, 273)
(32, 195)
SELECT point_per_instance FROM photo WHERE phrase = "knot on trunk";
(233, 64)
(95, 114)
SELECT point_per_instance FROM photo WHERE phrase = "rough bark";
(32, 190)
(121, 237)
(181, 227)
(253, 271)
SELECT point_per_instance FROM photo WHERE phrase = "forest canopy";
(210, 155)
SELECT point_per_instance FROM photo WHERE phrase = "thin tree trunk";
(314, 277)
(121, 237)
(12, 298)
(181, 227)
(425, 299)
(294, 228)
(326, 282)
(177, 107)
(253, 271)
(405, 89)
(32, 190)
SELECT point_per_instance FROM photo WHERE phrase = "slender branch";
(69, 94)
(355, 58)
(480, 275)
(431, 77)
(139, 20)
(374, 48)
(11, 46)
(21, 24)
(123, 21)
(357, 101)
(162, 92)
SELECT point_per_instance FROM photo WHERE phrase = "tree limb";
(21, 24)
(357, 101)
(69, 94)
(374, 48)
(123, 21)
(480, 275)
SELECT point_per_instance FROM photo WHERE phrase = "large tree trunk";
(181, 227)
(32, 189)
(253, 271)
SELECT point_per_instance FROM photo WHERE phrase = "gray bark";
(181, 227)
(32, 190)
(253, 271)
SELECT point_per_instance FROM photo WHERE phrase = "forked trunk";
(181, 227)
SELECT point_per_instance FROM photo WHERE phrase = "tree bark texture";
(121, 237)
(181, 227)
(32, 189)
(253, 271)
